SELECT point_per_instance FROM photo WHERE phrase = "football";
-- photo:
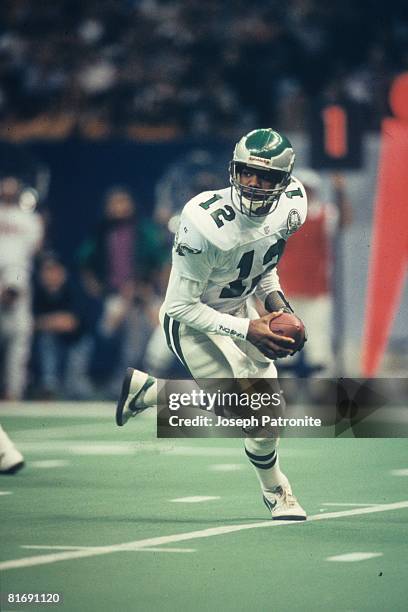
(288, 324)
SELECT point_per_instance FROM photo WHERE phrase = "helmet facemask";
(254, 201)
(270, 156)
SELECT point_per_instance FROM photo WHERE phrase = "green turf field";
(93, 516)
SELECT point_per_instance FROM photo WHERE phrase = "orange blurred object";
(389, 249)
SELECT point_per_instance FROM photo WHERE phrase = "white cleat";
(11, 461)
(131, 396)
(283, 505)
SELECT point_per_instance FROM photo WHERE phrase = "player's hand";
(301, 345)
(270, 344)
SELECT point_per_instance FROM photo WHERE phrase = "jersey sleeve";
(193, 256)
(295, 201)
(183, 304)
(193, 260)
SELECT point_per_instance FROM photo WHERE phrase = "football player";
(226, 250)
(21, 234)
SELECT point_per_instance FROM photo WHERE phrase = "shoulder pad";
(213, 215)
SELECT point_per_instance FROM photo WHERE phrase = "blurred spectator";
(21, 233)
(123, 262)
(161, 69)
(305, 273)
(80, 379)
(111, 253)
(56, 326)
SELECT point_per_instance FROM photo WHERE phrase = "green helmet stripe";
(266, 143)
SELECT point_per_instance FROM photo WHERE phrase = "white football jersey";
(229, 256)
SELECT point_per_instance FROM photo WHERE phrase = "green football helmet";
(270, 156)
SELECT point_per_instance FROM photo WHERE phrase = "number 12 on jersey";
(227, 213)
(243, 284)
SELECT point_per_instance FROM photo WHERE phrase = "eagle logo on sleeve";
(293, 222)
(182, 248)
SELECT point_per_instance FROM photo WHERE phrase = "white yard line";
(57, 547)
(351, 504)
(76, 447)
(194, 499)
(165, 550)
(149, 549)
(354, 556)
(184, 537)
(226, 467)
(49, 464)
(206, 451)
(400, 472)
(114, 447)
(62, 432)
(81, 410)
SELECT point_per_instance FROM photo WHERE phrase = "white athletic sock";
(262, 453)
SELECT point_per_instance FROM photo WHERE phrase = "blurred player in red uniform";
(306, 270)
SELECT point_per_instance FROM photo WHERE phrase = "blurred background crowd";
(166, 68)
(69, 331)
(85, 247)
